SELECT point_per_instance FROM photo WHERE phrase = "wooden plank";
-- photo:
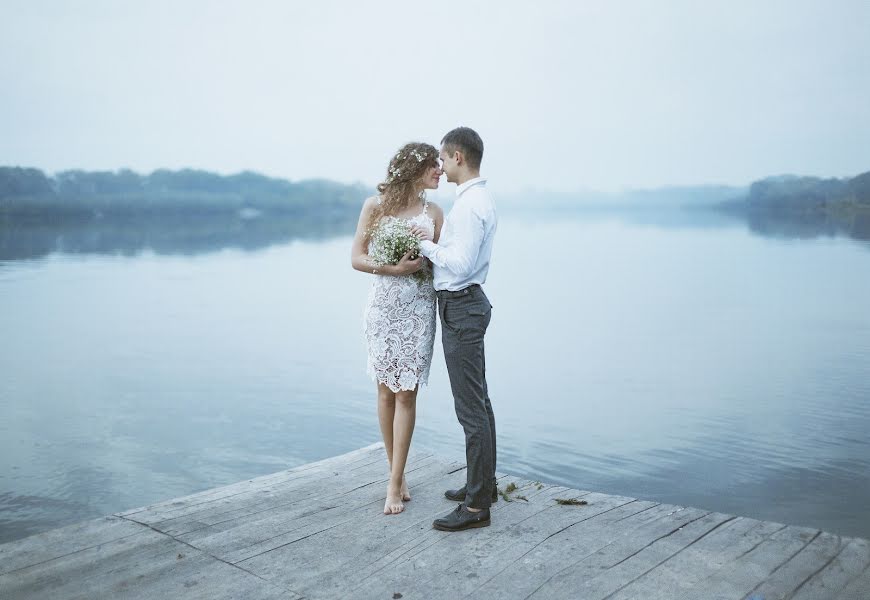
(383, 548)
(146, 565)
(323, 491)
(783, 582)
(543, 559)
(738, 578)
(858, 588)
(466, 563)
(343, 461)
(253, 535)
(356, 523)
(467, 558)
(320, 560)
(833, 576)
(621, 562)
(582, 552)
(63, 541)
(241, 492)
(344, 559)
(699, 560)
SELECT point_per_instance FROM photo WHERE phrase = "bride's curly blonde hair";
(403, 173)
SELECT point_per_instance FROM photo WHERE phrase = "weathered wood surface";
(317, 531)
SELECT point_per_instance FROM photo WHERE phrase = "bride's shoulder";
(434, 209)
(370, 203)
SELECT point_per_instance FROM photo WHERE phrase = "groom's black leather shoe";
(459, 495)
(462, 518)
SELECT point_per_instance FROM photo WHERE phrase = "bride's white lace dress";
(400, 325)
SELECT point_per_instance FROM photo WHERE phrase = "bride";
(400, 313)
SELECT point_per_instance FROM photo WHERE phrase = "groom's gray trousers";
(465, 315)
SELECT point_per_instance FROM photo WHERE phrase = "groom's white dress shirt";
(461, 256)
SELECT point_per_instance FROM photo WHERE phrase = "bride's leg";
(386, 414)
(403, 430)
(386, 417)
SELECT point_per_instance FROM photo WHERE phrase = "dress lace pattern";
(400, 325)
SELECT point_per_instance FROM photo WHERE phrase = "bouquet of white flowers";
(391, 239)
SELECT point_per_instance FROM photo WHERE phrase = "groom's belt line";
(457, 293)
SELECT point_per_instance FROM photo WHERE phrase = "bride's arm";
(359, 258)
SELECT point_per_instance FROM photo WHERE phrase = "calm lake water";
(697, 365)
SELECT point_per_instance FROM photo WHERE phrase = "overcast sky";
(566, 95)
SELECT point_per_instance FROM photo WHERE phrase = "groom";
(461, 261)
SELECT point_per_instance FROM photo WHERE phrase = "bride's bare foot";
(393, 505)
(406, 495)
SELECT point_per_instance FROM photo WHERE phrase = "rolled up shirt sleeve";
(466, 238)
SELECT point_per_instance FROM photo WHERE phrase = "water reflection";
(179, 235)
(810, 225)
(779, 225)
(197, 234)
(23, 515)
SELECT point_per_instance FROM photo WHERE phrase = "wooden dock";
(317, 531)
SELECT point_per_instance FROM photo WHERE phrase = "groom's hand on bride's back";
(408, 265)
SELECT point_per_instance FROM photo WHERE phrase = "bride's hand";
(422, 234)
(407, 265)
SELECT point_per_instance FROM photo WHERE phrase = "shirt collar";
(471, 182)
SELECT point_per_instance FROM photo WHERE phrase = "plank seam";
(48, 560)
(670, 533)
(526, 553)
(278, 488)
(580, 560)
(294, 541)
(761, 541)
(438, 538)
(785, 562)
(352, 509)
(265, 479)
(660, 563)
(657, 504)
(209, 554)
(271, 507)
(842, 547)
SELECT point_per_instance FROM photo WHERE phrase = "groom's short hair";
(466, 140)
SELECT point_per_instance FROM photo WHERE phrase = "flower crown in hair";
(397, 172)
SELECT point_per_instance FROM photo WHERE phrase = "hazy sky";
(566, 95)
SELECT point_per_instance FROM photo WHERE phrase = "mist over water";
(685, 360)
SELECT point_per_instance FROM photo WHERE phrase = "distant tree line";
(793, 206)
(83, 194)
(793, 194)
(168, 212)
